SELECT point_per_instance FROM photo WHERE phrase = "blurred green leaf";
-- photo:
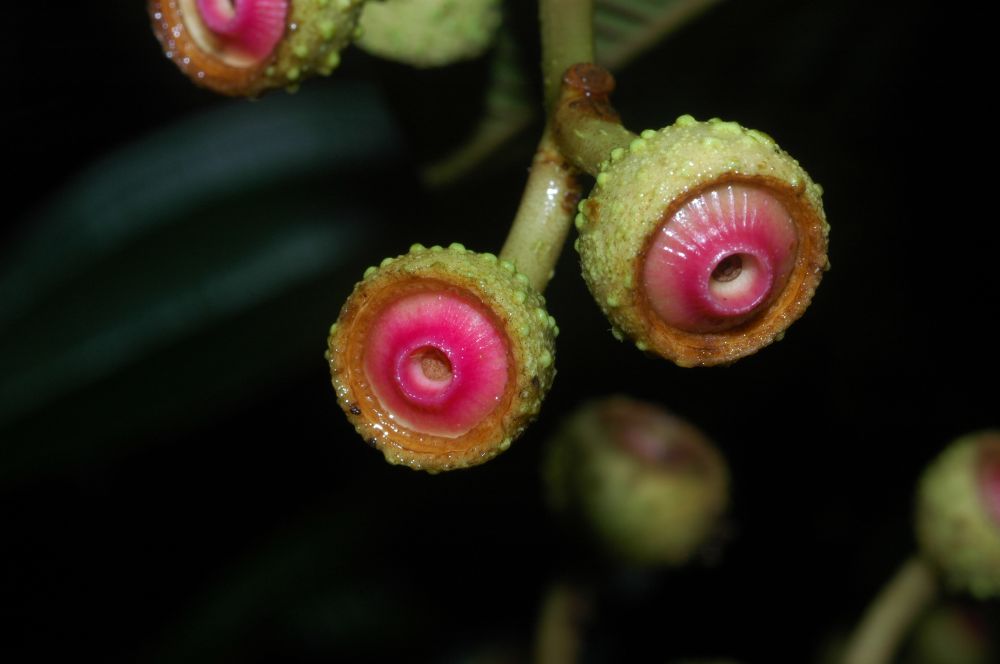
(220, 154)
(186, 268)
(302, 585)
(623, 30)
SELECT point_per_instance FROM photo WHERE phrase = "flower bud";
(245, 47)
(702, 242)
(429, 33)
(646, 485)
(958, 514)
(441, 357)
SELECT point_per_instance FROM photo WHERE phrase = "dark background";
(185, 488)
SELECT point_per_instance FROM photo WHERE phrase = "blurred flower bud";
(648, 486)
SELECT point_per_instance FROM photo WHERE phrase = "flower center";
(434, 364)
(728, 269)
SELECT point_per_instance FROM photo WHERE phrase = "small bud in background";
(958, 514)
(646, 485)
(429, 33)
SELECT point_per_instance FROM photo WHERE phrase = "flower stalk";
(886, 622)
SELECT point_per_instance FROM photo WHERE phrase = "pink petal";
(720, 259)
(251, 26)
(437, 362)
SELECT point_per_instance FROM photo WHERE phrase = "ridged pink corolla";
(247, 28)
(719, 258)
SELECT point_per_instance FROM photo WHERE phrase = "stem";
(567, 38)
(539, 230)
(586, 125)
(892, 613)
(558, 639)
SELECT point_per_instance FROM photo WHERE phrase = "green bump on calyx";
(327, 28)
(954, 526)
(317, 32)
(333, 60)
(429, 33)
(730, 128)
(515, 305)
